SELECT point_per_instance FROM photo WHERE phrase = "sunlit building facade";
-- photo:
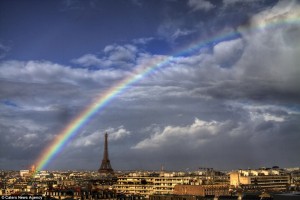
(149, 184)
(262, 179)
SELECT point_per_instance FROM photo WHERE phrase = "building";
(149, 183)
(202, 190)
(24, 172)
(260, 180)
(295, 180)
(79, 193)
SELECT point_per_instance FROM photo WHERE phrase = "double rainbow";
(103, 99)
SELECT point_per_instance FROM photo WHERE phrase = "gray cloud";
(219, 143)
(227, 53)
(200, 5)
(230, 107)
(231, 2)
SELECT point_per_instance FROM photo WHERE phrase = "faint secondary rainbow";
(139, 73)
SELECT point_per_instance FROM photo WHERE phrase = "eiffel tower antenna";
(105, 167)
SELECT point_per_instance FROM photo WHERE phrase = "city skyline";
(182, 84)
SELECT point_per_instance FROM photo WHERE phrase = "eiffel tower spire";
(105, 167)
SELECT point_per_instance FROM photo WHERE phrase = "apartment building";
(150, 183)
(261, 179)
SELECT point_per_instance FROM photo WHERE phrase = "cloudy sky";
(228, 97)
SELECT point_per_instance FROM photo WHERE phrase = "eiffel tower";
(105, 167)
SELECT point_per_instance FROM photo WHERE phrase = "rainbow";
(139, 73)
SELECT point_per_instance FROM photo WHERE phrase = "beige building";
(147, 184)
(262, 179)
(24, 172)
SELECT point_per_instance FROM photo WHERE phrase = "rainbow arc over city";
(140, 72)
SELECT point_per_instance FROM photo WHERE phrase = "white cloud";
(117, 133)
(115, 56)
(194, 134)
(143, 41)
(265, 108)
(96, 137)
(89, 60)
(88, 140)
(179, 33)
(33, 108)
(47, 72)
(200, 5)
(267, 112)
(121, 53)
(269, 117)
(281, 12)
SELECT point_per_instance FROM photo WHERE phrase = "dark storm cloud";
(257, 90)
